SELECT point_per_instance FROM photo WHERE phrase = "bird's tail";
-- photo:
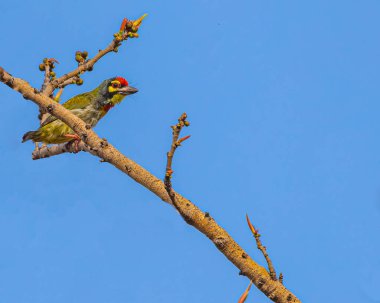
(28, 136)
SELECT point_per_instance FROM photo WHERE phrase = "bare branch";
(73, 80)
(262, 248)
(203, 222)
(54, 150)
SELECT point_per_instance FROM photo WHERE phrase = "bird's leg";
(37, 147)
(76, 140)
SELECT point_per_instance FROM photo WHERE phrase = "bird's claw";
(76, 140)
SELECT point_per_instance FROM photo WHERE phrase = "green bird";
(90, 107)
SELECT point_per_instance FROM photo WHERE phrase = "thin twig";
(72, 80)
(46, 76)
(175, 143)
(128, 29)
(263, 249)
(244, 296)
(49, 73)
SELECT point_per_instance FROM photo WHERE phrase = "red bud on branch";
(183, 139)
(251, 227)
(123, 24)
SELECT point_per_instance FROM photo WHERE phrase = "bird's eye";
(115, 85)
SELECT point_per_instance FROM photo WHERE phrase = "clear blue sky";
(283, 99)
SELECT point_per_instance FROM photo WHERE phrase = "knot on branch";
(128, 169)
(220, 242)
(103, 143)
(50, 108)
(84, 137)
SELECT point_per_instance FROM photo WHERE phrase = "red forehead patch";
(122, 81)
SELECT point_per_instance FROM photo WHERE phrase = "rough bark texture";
(274, 290)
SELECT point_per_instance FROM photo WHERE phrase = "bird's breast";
(107, 107)
(90, 115)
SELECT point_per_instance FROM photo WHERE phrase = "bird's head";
(115, 89)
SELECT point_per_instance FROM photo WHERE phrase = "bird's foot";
(76, 140)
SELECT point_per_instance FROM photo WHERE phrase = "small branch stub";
(281, 278)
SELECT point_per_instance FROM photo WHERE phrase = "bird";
(90, 107)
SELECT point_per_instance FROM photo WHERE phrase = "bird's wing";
(77, 102)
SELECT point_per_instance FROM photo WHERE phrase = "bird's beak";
(127, 90)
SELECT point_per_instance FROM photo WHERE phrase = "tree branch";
(203, 222)
(57, 149)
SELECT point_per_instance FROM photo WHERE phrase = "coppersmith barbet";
(90, 107)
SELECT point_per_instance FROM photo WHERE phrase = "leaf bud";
(78, 58)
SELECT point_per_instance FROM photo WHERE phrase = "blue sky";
(283, 102)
